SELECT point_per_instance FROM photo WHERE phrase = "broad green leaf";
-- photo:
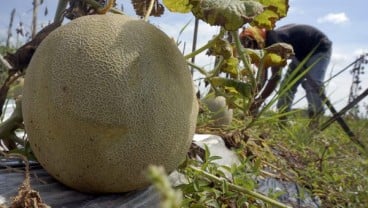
(273, 60)
(231, 90)
(230, 66)
(274, 10)
(231, 14)
(181, 6)
(280, 7)
(277, 54)
(283, 49)
(242, 88)
(255, 55)
(221, 47)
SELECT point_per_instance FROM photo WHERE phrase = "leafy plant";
(212, 185)
(243, 83)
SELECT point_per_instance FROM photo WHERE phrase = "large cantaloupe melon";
(104, 97)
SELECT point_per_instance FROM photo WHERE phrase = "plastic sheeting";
(291, 193)
(59, 196)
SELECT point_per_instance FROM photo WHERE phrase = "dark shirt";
(303, 38)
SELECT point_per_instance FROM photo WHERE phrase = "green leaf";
(282, 49)
(215, 157)
(254, 54)
(280, 7)
(206, 153)
(196, 186)
(277, 54)
(231, 14)
(181, 32)
(274, 10)
(230, 66)
(242, 88)
(273, 60)
(221, 47)
(180, 6)
(224, 186)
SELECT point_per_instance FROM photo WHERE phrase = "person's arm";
(272, 83)
(268, 89)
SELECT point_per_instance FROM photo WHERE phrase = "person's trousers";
(317, 67)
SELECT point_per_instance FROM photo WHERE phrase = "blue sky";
(345, 22)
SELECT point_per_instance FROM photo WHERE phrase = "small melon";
(221, 114)
(104, 97)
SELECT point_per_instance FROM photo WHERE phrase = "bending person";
(305, 40)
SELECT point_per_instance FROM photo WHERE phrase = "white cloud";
(360, 51)
(340, 60)
(296, 10)
(335, 18)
